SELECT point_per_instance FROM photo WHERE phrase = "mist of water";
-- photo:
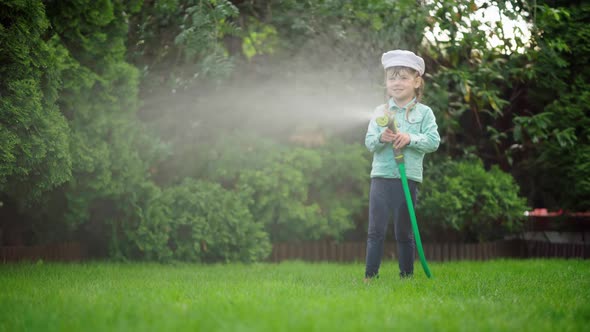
(277, 104)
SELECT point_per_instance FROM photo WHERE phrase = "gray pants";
(386, 200)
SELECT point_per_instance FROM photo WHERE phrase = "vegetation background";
(205, 130)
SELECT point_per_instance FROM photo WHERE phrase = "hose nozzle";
(392, 125)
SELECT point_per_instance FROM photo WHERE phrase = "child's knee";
(404, 236)
(376, 233)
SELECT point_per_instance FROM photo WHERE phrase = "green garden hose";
(402, 171)
(399, 159)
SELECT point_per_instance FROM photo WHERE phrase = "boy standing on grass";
(418, 135)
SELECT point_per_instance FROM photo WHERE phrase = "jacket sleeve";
(372, 138)
(428, 139)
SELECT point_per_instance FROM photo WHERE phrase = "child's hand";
(400, 140)
(387, 136)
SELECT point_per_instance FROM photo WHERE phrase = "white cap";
(403, 58)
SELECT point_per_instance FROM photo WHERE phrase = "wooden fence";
(440, 252)
(67, 252)
(344, 252)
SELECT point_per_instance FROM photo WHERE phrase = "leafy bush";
(461, 195)
(195, 221)
(341, 186)
(280, 195)
(308, 194)
(297, 193)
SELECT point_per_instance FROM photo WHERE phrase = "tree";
(34, 153)
(553, 134)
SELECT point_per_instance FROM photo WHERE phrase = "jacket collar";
(393, 106)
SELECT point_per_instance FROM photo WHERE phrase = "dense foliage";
(34, 153)
(297, 193)
(553, 134)
(136, 126)
(462, 196)
(194, 221)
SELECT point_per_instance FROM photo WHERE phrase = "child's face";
(401, 84)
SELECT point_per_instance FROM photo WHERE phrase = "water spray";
(390, 122)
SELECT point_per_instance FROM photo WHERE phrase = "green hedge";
(297, 193)
(463, 196)
(193, 221)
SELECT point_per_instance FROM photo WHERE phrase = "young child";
(417, 135)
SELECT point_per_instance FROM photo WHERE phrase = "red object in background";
(560, 212)
(543, 213)
(543, 220)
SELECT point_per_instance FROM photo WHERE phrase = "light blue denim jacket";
(424, 138)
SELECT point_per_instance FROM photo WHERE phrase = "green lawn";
(531, 295)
